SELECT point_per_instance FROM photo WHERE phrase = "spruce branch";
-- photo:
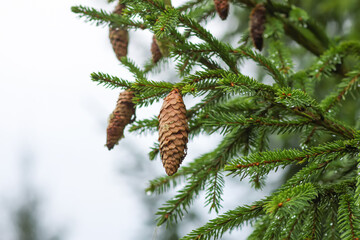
(133, 68)
(329, 60)
(291, 201)
(314, 221)
(260, 227)
(243, 84)
(222, 49)
(263, 162)
(199, 173)
(226, 121)
(159, 185)
(214, 191)
(145, 125)
(228, 221)
(163, 184)
(285, 202)
(110, 81)
(101, 17)
(148, 91)
(262, 61)
(348, 218)
(281, 57)
(174, 209)
(357, 190)
(345, 87)
(155, 151)
(294, 100)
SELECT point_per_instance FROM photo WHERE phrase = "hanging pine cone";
(119, 118)
(173, 132)
(222, 8)
(119, 38)
(119, 8)
(257, 25)
(155, 51)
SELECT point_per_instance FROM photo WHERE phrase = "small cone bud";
(119, 118)
(222, 8)
(119, 38)
(173, 132)
(155, 51)
(257, 25)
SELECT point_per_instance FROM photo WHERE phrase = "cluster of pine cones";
(257, 20)
(173, 126)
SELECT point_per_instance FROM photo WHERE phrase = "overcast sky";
(55, 117)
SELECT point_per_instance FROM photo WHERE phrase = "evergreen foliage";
(304, 75)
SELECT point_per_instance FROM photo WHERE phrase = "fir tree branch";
(263, 162)
(222, 49)
(285, 202)
(147, 91)
(290, 226)
(110, 81)
(348, 218)
(246, 85)
(155, 150)
(343, 89)
(226, 121)
(230, 220)
(328, 61)
(159, 185)
(145, 125)
(210, 100)
(214, 191)
(133, 68)
(260, 228)
(357, 190)
(174, 209)
(101, 17)
(291, 201)
(262, 61)
(163, 184)
(201, 170)
(281, 57)
(316, 218)
(294, 100)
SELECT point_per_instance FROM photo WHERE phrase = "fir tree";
(308, 104)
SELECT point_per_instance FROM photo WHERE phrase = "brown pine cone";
(173, 132)
(257, 25)
(119, 8)
(222, 8)
(119, 118)
(155, 51)
(119, 38)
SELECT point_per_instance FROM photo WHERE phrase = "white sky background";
(53, 112)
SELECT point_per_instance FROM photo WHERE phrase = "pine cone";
(119, 38)
(257, 25)
(119, 118)
(222, 8)
(119, 8)
(155, 51)
(173, 132)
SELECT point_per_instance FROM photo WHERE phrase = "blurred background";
(57, 180)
